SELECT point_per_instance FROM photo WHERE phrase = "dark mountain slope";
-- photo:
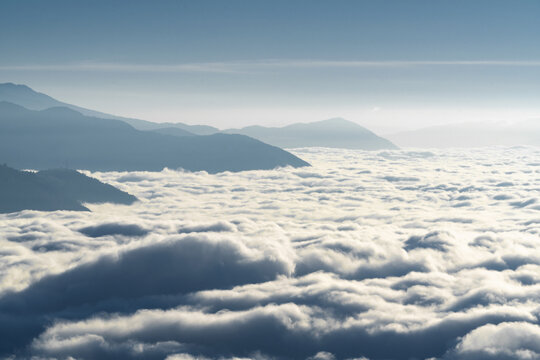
(24, 96)
(50, 190)
(60, 137)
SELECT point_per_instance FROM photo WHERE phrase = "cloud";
(508, 340)
(336, 262)
(285, 330)
(175, 266)
(260, 65)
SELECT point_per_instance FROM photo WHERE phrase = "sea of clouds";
(365, 255)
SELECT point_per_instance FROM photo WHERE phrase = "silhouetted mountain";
(148, 125)
(50, 190)
(471, 135)
(335, 133)
(24, 96)
(173, 131)
(61, 137)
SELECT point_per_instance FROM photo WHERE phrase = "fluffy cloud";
(509, 340)
(378, 255)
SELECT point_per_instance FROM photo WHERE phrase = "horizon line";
(243, 66)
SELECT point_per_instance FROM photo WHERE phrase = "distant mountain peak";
(12, 88)
(33, 100)
(335, 133)
(13, 85)
(337, 121)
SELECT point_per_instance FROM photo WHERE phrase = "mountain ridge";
(54, 189)
(334, 132)
(57, 137)
(29, 98)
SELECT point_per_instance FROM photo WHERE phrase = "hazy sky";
(389, 65)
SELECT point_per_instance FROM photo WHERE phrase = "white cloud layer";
(375, 255)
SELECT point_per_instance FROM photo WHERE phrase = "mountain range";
(337, 132)
(333, 133)
(58, 189)
(61, 137)
(24, 96)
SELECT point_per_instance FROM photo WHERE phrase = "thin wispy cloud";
(120, 67)
(250, 66)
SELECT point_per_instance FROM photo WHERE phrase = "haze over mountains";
(471, 135)
(61, 137)
(49, 190)
(334, 133)
(33, 100)
(337, 132)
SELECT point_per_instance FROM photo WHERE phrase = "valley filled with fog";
(384, 254)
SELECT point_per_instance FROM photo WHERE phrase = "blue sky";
(386, 64)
